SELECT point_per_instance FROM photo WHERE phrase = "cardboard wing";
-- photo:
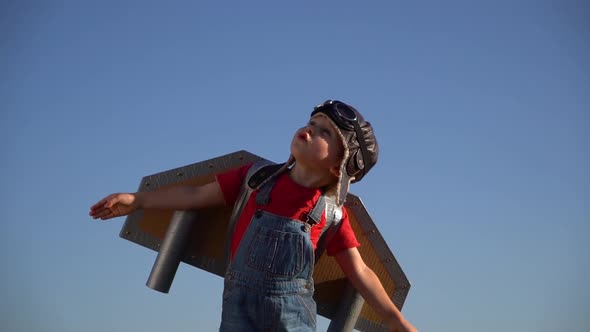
(198, 239)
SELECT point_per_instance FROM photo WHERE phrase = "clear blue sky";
(482, 190)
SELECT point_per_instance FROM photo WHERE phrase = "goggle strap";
(363, 145)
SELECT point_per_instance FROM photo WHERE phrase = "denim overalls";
(268, 285)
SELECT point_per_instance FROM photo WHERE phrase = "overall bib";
(268, 285)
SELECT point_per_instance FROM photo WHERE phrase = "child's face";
(318, 145)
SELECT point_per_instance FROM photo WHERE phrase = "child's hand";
(402, 325)
(114, 205)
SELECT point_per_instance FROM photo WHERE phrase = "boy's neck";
(309, 178)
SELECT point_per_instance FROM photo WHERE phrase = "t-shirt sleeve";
(230, 183)
(344, 237)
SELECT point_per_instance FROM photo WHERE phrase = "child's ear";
(335, 170)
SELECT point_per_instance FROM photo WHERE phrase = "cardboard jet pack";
(198, 238)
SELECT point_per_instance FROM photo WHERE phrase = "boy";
(268, 283)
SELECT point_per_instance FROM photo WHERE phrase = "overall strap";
(256, 176)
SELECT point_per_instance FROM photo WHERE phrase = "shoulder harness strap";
(256, 176)
(333, 222)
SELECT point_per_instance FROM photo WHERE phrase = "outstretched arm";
(368, 285)
(177, 198)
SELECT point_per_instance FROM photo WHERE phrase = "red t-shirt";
(287, 199)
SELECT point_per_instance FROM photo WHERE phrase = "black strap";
(263, 173)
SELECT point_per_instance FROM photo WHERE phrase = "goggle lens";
(344, 111)
(342, 114)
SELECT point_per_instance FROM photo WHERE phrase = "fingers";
(102, 209)
(114, 205)
(103, 214)
(110, 201)
(108, 214)
(98, 205)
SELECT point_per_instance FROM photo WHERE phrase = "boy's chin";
(297, 154)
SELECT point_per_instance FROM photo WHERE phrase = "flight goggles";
(346, 118)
